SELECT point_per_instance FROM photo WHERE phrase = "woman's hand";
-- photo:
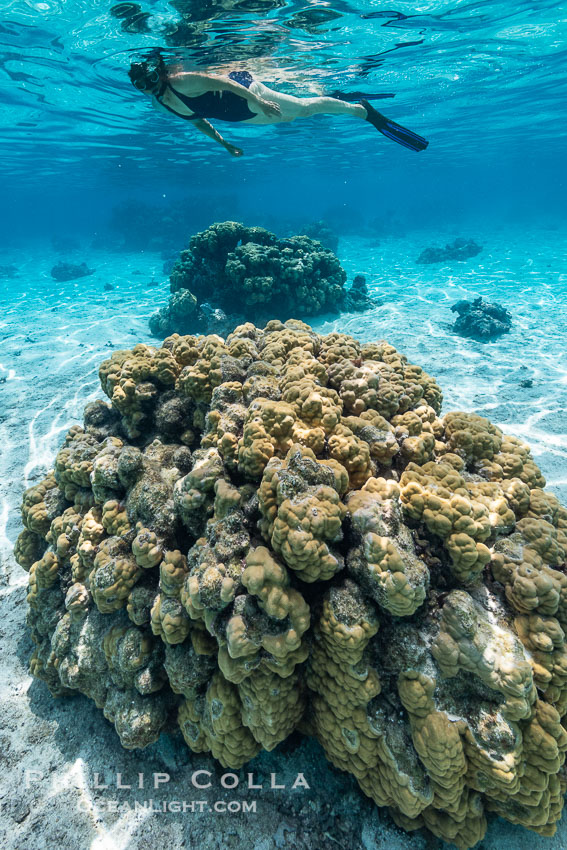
(269, 108)
(233, 150)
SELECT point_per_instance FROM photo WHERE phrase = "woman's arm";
(192, 84)
(204, 126)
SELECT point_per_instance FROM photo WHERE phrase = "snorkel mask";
(149, 75)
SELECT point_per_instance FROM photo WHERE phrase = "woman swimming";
(238, 97)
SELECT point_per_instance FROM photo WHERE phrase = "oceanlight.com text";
(174, 806)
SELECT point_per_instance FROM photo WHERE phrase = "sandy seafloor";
(52, 338)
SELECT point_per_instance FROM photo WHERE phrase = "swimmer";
(239, 98)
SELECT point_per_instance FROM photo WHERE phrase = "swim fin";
(392, 130)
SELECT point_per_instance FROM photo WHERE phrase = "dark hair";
(149, 74)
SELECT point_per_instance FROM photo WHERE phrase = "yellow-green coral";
(385, 562)
(301, 519)
(469, 641)
(215, 723)
(40, 504)
(278, 532)
(113, 576)
(463, 513)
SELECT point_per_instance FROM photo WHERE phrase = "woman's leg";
(303, 107)
(330, 106)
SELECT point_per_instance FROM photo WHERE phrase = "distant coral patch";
(70, 271)
(249, 270)
(460, 249)
(481, 319)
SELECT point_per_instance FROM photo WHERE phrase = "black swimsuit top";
(225, 106)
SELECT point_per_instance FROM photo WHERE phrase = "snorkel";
(150, 75)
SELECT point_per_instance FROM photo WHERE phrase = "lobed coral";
(70, 271)
(277, 531)
(460, 249)
(480, 319)
(239, 269)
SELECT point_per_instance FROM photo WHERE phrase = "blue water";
(82, 154)
(485, 82)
